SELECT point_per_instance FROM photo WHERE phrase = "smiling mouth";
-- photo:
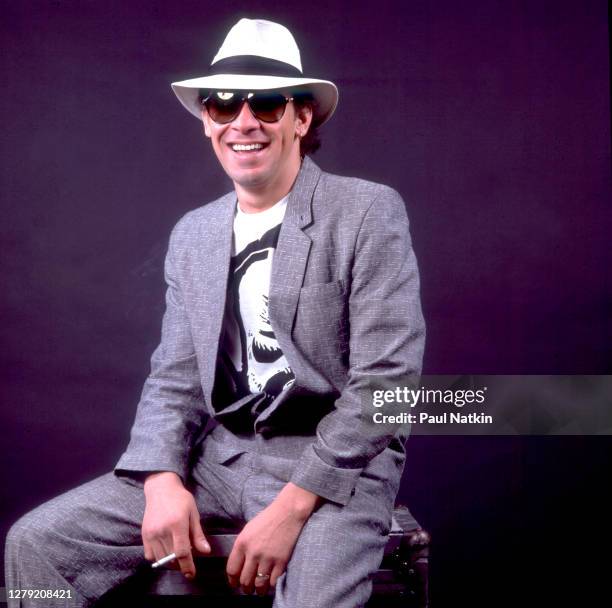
(247, 147)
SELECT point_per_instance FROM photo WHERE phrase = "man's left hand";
(263, 548)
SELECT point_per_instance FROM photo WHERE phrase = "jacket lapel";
(291, 255)
(213, 253)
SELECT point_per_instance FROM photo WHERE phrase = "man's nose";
(245, 121)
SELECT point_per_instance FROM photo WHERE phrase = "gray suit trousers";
(87, 540)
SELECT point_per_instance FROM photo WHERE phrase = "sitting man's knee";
(28, 533)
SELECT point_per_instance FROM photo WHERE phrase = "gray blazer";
(344, 304)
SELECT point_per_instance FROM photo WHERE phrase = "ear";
(205, 121)
(303, 120)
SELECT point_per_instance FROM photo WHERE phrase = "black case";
(401, 579)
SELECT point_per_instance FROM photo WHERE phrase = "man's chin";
(253, 179)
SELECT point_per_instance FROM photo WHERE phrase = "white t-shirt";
(251, 355)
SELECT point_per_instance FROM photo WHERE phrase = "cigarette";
(164, 560)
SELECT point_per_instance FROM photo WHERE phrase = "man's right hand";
(171, 522)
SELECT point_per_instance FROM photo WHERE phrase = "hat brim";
(324, 92)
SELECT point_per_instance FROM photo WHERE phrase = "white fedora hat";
(258, 55)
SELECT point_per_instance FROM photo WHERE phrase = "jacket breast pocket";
(321, 324)
(322, 291)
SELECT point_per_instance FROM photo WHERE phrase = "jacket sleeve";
(171, 408)
(387, 336)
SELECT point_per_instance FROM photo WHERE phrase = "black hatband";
(253, 65)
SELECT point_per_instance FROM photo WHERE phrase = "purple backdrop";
(491, 118)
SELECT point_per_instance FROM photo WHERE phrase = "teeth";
(246, 147)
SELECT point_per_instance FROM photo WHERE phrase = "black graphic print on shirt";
(251, 352)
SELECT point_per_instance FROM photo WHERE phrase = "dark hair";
(311, 142)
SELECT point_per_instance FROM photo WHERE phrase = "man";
(288, 300)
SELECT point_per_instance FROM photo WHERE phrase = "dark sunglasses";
(224, 106)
